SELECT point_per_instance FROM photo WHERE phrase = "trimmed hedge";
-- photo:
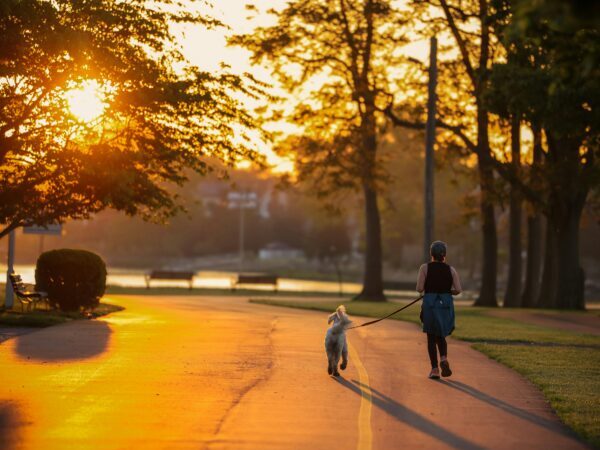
(73, 279)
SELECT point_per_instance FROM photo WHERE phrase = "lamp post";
(242, 200)
(429, 143)
(9, 295)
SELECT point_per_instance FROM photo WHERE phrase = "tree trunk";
(373, 274)
(512, 296)
(570, 274)
(487, 294)
(568, 192)
(534, 231)
(534, 261)
(563, 279)
(548, 287)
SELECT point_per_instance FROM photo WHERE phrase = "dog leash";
(389, 315)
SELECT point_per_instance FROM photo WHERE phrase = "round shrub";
(73, 279)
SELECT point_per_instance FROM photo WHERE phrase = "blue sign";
(53, 229)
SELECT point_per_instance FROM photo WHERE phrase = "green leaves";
(332, 57)
(554, 71)
(162, 115)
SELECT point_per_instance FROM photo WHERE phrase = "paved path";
(220, 373)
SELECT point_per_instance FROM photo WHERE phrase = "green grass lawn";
(568, 376)
(45, 318)
(563, 364)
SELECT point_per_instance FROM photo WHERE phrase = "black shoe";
(446, 372)
(343, 365)
(329, 371)
(336, 374)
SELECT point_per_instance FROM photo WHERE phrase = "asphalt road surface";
(221, 373)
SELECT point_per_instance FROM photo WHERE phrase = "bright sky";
(208, 48)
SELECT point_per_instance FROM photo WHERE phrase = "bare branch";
(456, 130)
(462, 46)
(351, 43)
(508, 172)
(368, 13)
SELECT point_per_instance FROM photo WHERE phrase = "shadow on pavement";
(507, 407)
(404, 414)
(71, 341)
(8, 427)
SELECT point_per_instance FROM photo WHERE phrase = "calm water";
(203, 279)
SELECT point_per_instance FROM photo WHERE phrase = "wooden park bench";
(255, 279)
(169, 275)
(28, 297)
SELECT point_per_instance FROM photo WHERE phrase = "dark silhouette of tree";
(335, 56)
(553, 86)
(469, 24)
(162, 115)
(561, 94)
(512, 114)
(512, 296)
(533, 268)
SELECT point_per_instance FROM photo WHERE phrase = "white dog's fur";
(335, 339)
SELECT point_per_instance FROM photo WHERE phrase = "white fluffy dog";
(335, 341)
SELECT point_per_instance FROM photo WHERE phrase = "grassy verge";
(569, 378)
(175, 290)
(43, 318)
(564, 365)
(168, 290)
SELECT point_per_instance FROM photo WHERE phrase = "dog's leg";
(344, 355)
(336, 361)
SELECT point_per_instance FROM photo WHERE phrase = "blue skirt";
(438, 314)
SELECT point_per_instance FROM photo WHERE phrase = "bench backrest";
(257, 279)
(171, 275)
(16, 283)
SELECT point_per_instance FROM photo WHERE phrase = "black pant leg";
(431, 341)
(442, 345)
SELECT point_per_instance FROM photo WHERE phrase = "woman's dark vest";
(438, 279)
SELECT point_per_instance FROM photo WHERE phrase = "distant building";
(279, 250)
(211, 194)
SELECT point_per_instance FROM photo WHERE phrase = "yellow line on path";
(365, 435)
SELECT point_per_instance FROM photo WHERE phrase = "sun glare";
(86, 101)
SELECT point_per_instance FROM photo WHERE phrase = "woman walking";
(439, 281)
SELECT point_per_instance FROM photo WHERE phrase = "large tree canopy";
(532, 62)
(162, 115)
(339, 61)
(555, 85)
(461, 110)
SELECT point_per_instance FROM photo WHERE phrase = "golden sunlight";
(86, 102)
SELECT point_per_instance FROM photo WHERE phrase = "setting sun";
(86, 101)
